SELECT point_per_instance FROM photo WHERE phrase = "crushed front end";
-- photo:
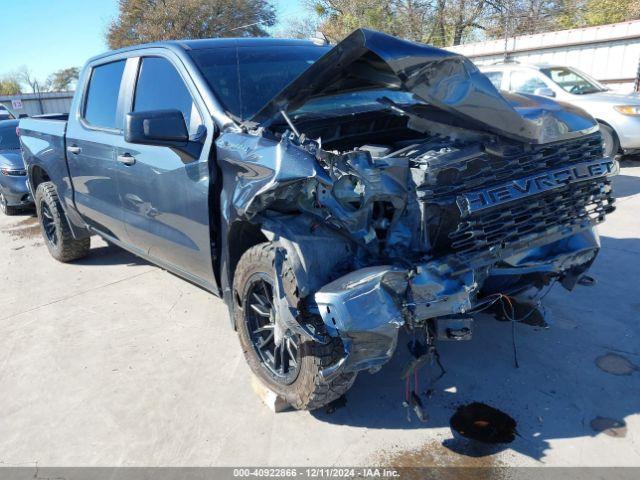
(417, 211)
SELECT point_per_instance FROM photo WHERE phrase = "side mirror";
(544, 92)
(157, 127)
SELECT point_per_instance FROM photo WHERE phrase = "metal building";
(37, 104)
(609, 53)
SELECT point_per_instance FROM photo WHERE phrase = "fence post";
(636, 84)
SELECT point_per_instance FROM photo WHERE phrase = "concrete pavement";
(113, 362)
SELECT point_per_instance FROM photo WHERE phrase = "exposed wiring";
(513, 326)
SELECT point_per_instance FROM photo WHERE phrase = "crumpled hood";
(450, 82)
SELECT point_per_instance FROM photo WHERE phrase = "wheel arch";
(613, 131)
(38, 175)
(241, 237)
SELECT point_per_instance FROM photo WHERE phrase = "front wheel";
(610, 143)
(291, 369)
(55, 226)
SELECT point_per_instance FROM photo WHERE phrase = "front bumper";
(16, 190)
(366, 308)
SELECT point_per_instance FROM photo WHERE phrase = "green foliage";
(141, 21)
(602, 12)
(10, 86)
(450, 22)
(63, 79)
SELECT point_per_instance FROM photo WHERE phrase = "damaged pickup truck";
(331, 196)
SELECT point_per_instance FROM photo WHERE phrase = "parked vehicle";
(617, 114)
(14, 192)
(331, 196)
(5, 113)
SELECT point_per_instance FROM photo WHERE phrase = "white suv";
(618, 114)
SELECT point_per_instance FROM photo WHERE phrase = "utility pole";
(636, 84)
(507, 29)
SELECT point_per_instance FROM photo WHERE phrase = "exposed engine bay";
(414, 216)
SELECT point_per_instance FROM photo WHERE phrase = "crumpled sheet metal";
(450, 82)
(559, 256)
(569, 257)
(262, 173)
(314, 254)
(367, 307)
(362, 180)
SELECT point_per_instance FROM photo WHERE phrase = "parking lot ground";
(113, 362)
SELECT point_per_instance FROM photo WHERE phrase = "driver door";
(164, 190)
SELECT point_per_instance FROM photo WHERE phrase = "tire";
(610, 142)
(6, 209)
(55, 226)
(305, 389)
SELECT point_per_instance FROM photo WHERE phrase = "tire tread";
(69, 248)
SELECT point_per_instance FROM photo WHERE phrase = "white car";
(618, 114)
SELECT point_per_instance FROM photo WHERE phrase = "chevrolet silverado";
(330, 195)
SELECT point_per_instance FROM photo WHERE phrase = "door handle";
(74, 149)
(127, 159)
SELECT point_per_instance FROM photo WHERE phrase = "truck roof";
(213, 43)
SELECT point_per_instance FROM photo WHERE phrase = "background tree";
(63, 80)
(25, 76)
(439, 22)
(10, 85)
(338, 18)
(451, 22)
(142, 21)
(305, 27)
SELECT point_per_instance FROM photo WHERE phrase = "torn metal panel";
(367, 307)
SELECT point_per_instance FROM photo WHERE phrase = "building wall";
(49, 102)
(609, 53)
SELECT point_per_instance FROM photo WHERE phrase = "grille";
(575, 205)
(480, 169)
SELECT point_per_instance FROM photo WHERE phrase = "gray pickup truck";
(331, 196)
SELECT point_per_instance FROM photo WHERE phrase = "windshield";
(9, 137)
(244, 79)
(359, 101)
(572, 81)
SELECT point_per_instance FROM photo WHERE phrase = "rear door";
(165, 190)
(91, 138)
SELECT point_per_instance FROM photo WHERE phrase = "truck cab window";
(160, 87)
(101, 102)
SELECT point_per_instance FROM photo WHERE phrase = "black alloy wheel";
(282, 361)
(49, 224)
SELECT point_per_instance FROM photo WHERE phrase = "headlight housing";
(13, 172)
(633, 110)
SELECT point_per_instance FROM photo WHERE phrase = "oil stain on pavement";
(609, 426)
(443, 463)
(25, 229)
(615, 364)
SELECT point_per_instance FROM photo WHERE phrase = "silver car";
(618, 114)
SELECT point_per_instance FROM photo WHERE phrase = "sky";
(47, 35)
